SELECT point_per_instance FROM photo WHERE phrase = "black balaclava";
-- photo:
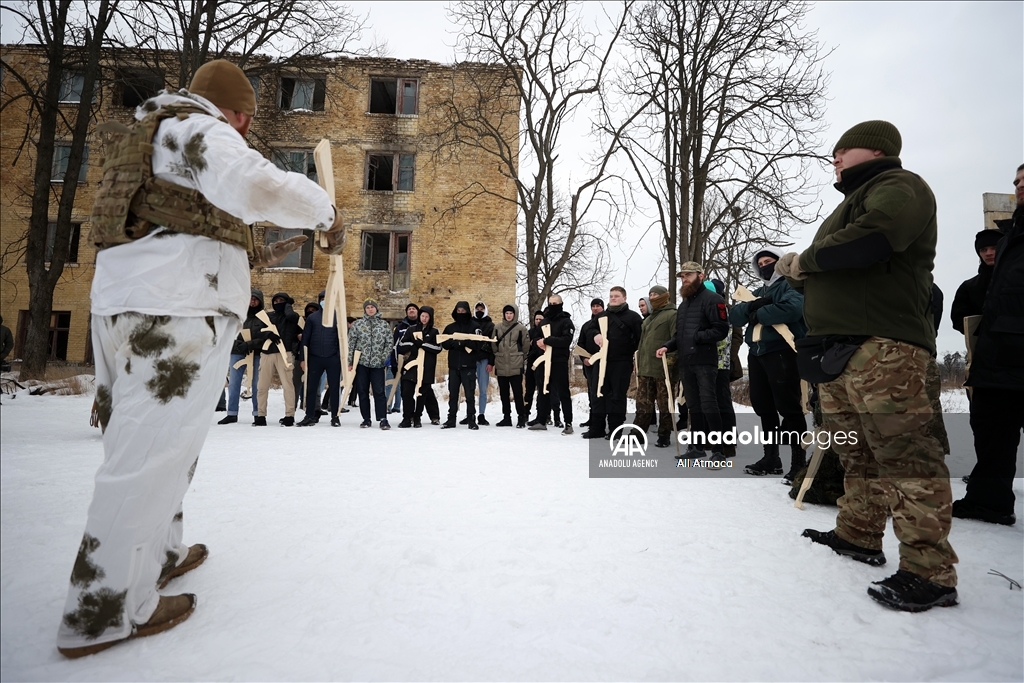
(766, 271)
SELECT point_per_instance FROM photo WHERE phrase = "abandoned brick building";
(404, 243)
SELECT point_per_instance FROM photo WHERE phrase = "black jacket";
(321, 341)
(255, 326)
(398, 332)
(999, 351)
(287, 323)
(624, 329)
(588, 331)
(701, 322)
(427, 346)
(562, 333)
(463, 354)
(970, 297)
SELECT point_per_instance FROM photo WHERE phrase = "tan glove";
(272, 254)
(332, 240)
(789, 266)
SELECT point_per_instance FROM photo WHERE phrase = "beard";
(686, 291)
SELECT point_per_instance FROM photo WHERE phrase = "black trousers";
(558, 393)
(598, 422)
(413, 405)
(616, 385)
(531, 388)
(774, 391)
(699, 388)
(997, 418)
(515, 383)
(365, 379)
(316, 366)
(466, 379)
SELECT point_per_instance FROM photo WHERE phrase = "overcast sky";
(949, 75)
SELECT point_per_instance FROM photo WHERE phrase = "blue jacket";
(786, 307)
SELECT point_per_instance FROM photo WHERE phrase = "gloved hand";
(753, 307)
(789, 266)
(272, 254)
(333, 236)
(274, 339)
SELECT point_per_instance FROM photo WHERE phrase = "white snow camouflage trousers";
(158, 379)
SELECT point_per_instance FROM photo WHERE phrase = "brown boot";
(170, 611)
(197, 554)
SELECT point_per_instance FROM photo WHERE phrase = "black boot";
(416, 423)
(909, 592)
(663, 442)
(228, 419)
(307, 421)
(796, 464)
(449, 423)
(481, 420)
(405, 424)
(287, 421)
(505, 422)
(770, 464)
(259, 421)
(876, 558)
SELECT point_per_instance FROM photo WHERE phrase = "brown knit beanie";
(225, 85)
(880, 135)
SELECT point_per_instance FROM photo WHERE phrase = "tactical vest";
(131, 201)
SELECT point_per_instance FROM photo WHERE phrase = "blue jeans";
(235, 382)
(483, 380)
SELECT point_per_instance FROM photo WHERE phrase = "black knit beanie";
(880, 135)
(987, 238)
(597, 302)
(509, 308)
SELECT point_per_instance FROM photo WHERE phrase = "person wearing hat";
(371, 336)
(170, 290)
(970, 295)
(561, 332)
(275, 361)
(509, 364)
(774, 381)
(462, 363)
(997, 380)
(596, 422)
(866, 279)
(658, 327)
(701, 322)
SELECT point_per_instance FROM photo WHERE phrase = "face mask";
(321, 303)
(767, 270)
(480, 315)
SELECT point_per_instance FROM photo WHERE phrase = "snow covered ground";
(457, 555)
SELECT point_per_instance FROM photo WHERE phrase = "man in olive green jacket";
(658, 327)
(867, 281)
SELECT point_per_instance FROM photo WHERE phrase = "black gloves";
(753, 307)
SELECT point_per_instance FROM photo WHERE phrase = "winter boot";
(464, 421)
(472, 424)
(384, 425)
(171, 610)
(417, 423)
(769, 464)
(663, 442)
(365, 424)
(405, 424)
(693, 453)
(449, 423)
(307, 421)
(259, 421)
(909, 592)
(538, 426)
(287, 421)
(568, 430)
(558, 423)
(228, 419)
(335, 421)
(522, 423)
(964, 509)
(505, 422)
(435, 421)
(481, 420)
(796, 464)
(197, 554)
(730, 450)
(876, 558)
(593, 433)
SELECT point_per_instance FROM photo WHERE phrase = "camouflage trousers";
(651, 392)
(892, 459)
(157, 381)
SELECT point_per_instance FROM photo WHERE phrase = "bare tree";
(732, 95)
(72, 44)
(554, 67)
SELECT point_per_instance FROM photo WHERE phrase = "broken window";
(388, 172)
(387, 251)
(71, 85)
(394, 96)
(301, 257)
(57, 344)
(297, 161)
(254, 81)
(303, 93)
(139, 86)
(51, 238)
(61, 155)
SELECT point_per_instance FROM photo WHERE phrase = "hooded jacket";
(512, 346)
(371, 335)
(701, 322)
(562, 333)
(286, 320)
(869, 267)
(399, 331)
(241, 347)
(998, 360)
(656, 331)
(782, 305)
(427, 346)
(486, 329)
(464, 354)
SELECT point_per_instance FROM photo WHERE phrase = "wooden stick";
(601, 355)
(464, 336)
(262, 316)
(396, 380)
(812, 469)
(545, 358)
(671, 401)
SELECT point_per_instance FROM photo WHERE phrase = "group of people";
(169, 311)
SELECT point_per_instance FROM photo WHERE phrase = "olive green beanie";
(880, 135)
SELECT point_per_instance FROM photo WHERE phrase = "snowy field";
(349, 554)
